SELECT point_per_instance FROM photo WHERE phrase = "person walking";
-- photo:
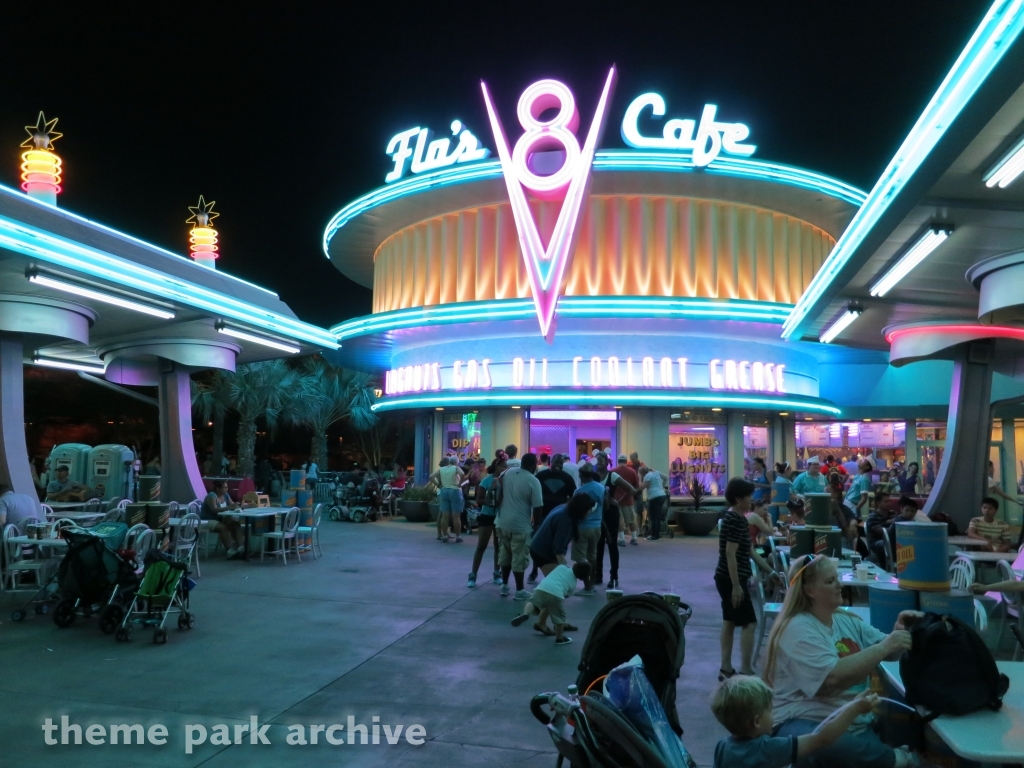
(557, 487)
(655, 485)
(584, 546)
(731, 576)
(627, 501)
(612, 483)
(521, 498)
(450, 500)
(485, 522)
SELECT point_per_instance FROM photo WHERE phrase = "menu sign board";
(812, 435)
(755, 437)
(881, 434)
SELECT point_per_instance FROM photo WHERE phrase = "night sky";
(281, 113)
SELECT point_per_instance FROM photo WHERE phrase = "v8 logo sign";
(547, 264)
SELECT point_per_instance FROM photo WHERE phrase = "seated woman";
(820, 658)
(228, 529)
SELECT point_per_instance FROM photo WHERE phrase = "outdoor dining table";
(965, 542)
(986, 736)
(251, 514)
(30, 541)
(987, 557)
(847, 553)
(82, 518)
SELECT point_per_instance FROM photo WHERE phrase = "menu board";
(812, 435)
(755, 437)
(880, 433)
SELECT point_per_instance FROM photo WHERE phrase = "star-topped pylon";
(203, 213)
(41, 135)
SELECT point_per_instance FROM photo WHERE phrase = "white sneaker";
(232, 552)
(905, 758)
(522, 594)
(504, 590)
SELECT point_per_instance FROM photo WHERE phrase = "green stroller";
(164, 592)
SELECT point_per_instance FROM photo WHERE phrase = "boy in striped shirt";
(988, 529)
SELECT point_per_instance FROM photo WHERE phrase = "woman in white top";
(450, 499)
(654, 483)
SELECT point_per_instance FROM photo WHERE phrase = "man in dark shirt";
(557, 487)
(877, 522)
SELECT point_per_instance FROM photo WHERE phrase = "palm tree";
(255, 389)
(326, 395)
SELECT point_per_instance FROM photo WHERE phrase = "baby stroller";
(592, 732)
(164, 592)
(91, 576)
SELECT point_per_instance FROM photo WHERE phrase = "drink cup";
(863, 571)
(613, 594)
(671, 599)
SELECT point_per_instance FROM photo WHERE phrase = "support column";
(912, 453)
(789, 442)
(734, 449)
(961, 484)
(421, 448)
(14, 468)
(777, 445)
(181, 479)
(1008, 471)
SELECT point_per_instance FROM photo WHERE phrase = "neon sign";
(586, 373)
(431, 155)
(712, 136)
(546, 265)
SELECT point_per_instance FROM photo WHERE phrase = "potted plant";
(414, 503)
(700, 520)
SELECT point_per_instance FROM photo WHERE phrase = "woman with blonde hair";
(820, 657)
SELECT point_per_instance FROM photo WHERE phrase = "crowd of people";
(549, 511)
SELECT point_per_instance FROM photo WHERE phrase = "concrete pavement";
(383, 626)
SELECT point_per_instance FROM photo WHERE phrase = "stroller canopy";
(643, 625)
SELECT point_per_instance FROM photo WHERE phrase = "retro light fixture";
(40, 165)
(107, 298)
(853, 311)
(933, 237)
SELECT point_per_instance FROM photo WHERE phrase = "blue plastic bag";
(629, 689)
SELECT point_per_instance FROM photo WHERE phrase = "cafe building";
(542, 279)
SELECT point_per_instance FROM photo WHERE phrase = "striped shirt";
(733, 528)
(995, 532)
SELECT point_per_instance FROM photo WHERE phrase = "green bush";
(419, 493)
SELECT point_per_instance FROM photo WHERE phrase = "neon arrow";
(546, 266)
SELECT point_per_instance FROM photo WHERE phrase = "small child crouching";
(549, 600)
(744, 706)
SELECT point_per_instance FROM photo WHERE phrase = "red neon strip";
(983, 331)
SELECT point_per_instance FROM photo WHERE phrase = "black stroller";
(92, 576)
(592, 732)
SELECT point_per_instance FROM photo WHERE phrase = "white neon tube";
(1009, 167)
(107, 298)
(66, 365)
(260, 340)
(918, 253)
(838, 326)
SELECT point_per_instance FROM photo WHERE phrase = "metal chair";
(1013, 606)
(961, 573)
(93, 505)
(114, 515)
(287, 533)
(144, 541)
(186, 539)
(313, 531)
(48, 510)
(889, 563)
(15, 564)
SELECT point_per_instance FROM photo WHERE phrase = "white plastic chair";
(961, 573)
(287, 533)
(114, 515)
(756, 589)
(144, 541)
(313, 531)
(48, 511)
(133, 533)
(16, 564)
(980, 617)
(186, 538)
(123, 504)
(93, 505)
(889, 563)
(205, 527)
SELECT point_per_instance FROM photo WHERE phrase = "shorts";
(515, 550)
(451, 501)
(739, 617)
(540, 560)
(555, 606)
(485, 520)
(628, 513)
(584, 548)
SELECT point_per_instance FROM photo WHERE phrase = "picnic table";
(986, 736)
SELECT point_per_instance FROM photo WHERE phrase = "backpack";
(948, 669)
(494, 493)
(942, 517)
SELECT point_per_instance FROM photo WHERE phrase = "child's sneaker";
(520, 619)
(472, 581)
(563, 640)
(504, 590)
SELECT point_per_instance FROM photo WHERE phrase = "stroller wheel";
(42, 608)
(359, 516)
(160, 636)
(18, 615)
(110, 618)
(186, 620)
(123, 634)
(64, 615)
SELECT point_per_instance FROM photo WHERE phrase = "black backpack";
(948, 669)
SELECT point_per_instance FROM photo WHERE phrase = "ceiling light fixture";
(290, 348)
(853, 311)
(1009, 167)
(935, 236)
(106, 298)
(67, 365)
